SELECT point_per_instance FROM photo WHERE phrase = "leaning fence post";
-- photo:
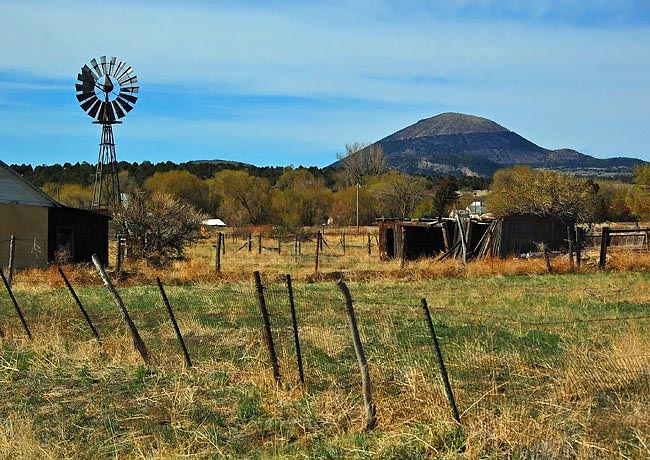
(371, 417)
(15, 302)
(80, 305)
(441, 363)
(603, 247)
(12, 252)
(137, 340)
(294, 323)
(268, 336)
(188, 361)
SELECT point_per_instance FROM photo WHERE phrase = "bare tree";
(360, 161)
(159, 226)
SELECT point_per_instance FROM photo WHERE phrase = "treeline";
(362, 188)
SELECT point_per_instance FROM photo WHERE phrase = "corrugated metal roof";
(14, 189)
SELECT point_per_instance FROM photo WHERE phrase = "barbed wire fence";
(489, 357)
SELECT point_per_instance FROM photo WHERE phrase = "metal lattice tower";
(107, 91)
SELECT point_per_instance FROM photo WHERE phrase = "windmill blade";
(86, 105)
(111, 65)
(128, 80)
(128, 97)
(124, 104)
(95, 108)
(133, 91)
(102, 60)
(118, 110)
(132, 81)
(83, 96)
(118, 69)
(97, 69)
(125, 71)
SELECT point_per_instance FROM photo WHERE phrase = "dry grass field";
(543, 366)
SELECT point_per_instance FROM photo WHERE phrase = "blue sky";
(279, 83)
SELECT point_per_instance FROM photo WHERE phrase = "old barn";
(469, 237)
(44, 229)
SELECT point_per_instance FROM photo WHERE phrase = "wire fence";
(489, 356)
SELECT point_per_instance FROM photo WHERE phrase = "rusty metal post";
(268, 336)
(188, 361)
(80, 305)
(15, 302)
(441, 364)
(294, 323)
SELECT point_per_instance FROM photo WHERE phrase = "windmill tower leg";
(106, 193)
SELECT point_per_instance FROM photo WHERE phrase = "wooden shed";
(44, 229)
(466, 237)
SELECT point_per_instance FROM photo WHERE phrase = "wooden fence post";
(223, 243)
(318, 245)
(217, 261)
(578, 247)
(259, 243)
(268, 336)
(137, 340)
(294, 323)
(441, 363)
(12, 252)
(15, 302)
(570, 234)
(371, 417)
(179, 336)
(547, 258)
(80, 305)
(402, 261)
(603, 247)
(250, 242)
(369, 240)
(118, 262)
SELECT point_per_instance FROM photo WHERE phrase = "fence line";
(222, 324)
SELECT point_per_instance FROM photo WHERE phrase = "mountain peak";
(446, 124)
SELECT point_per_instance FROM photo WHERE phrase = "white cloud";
(524, 71)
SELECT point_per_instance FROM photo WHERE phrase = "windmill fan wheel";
(107, 89)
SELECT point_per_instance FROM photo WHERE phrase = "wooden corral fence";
(633, 238)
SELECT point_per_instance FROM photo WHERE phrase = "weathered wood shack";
(44, 229)
(468, 237)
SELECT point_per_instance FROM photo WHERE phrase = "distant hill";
(459, 144)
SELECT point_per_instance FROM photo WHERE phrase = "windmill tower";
(107, 91)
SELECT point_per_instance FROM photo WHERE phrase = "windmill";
(107, 90)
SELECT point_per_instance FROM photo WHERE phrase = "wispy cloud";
(297, 73)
